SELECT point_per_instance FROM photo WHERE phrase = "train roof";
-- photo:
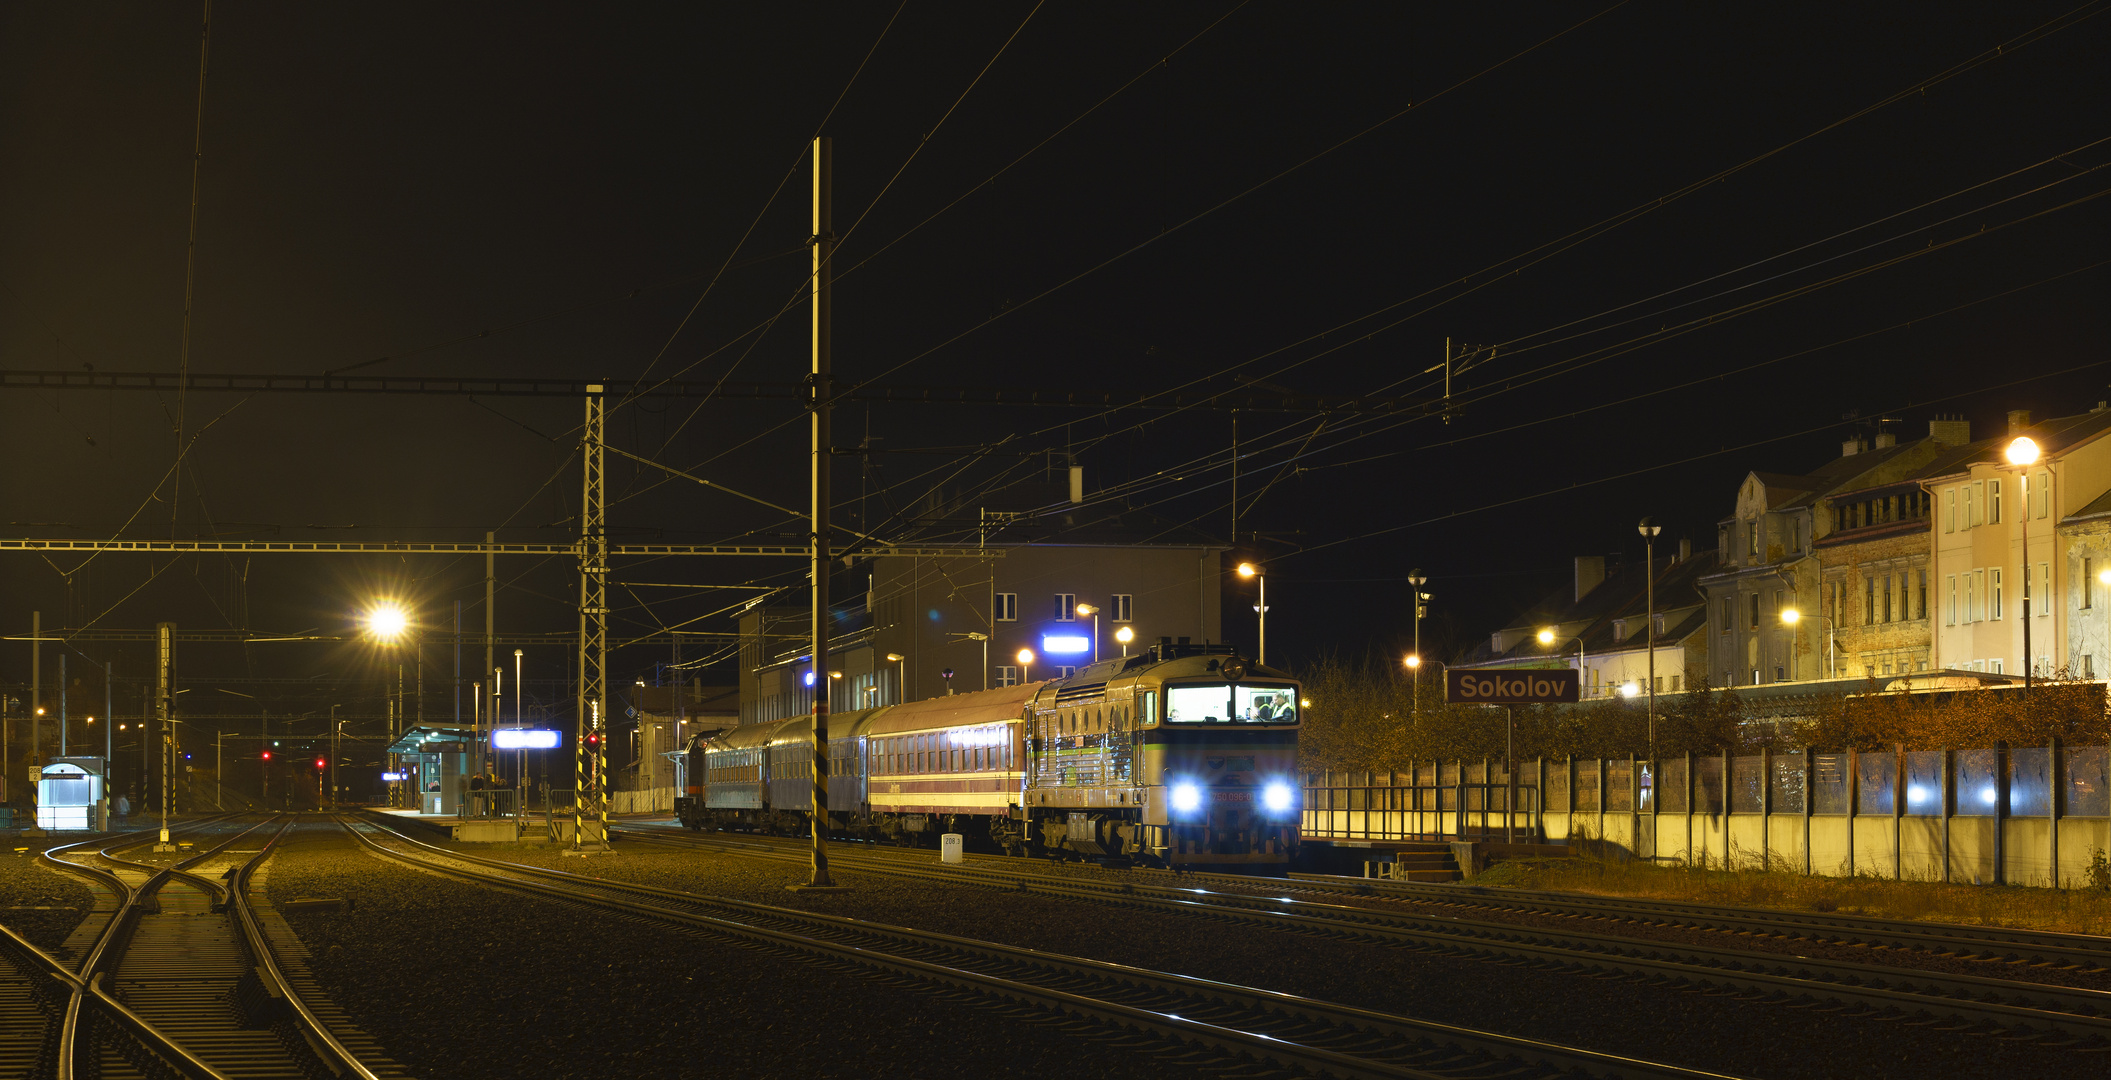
(958, 710)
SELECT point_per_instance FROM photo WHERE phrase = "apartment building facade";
(2005, 552)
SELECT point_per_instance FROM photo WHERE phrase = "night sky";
(530, 190)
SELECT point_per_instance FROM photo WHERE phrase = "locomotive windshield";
(1237, 704)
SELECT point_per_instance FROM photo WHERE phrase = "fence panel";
(2030, 782)
(1924, 783)
(1558, 786)
(1977, 787)
(1745, 781)
(1619, 795)
(2088, 783)
(1878, 775)
(1708, 785)
(1788, 785)
(1828, 787)
(1671, 789)
(1586, 787)
(1645, 788)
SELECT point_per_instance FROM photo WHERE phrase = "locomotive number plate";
(1231, 795)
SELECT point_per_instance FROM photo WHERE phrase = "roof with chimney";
(1604, 609)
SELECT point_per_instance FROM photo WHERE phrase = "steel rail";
(2043, 1010)
(878, 945)
(320, 1039)
(2008, 945)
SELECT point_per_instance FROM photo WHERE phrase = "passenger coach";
(1183, 755)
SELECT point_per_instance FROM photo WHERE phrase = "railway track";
(2060, 1016)
(1195, 1020)
(180, 980)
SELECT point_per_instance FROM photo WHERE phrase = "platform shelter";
(432, 758)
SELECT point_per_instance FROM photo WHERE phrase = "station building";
(919, 627)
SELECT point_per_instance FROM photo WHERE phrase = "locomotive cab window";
(1241, 704)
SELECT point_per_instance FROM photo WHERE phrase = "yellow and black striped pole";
(579, 781)
(824, 246)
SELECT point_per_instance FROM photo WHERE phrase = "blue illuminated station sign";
(1516, 687)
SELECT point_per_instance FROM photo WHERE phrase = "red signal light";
(318, 763)
(267, 755)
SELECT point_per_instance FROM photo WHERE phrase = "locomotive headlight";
(1187, 798)
(1277, 797)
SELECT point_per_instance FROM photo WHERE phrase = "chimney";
(1851, 447)
(1884, 439)
(1590, 572)
(2018, 419)
(1685, 548)
(1950, 430)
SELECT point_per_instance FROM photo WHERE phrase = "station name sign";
(1523, 687)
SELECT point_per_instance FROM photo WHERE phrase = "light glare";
(387, 622)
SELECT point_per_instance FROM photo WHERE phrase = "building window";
(1994, 666)
(1755, 611)
(1949, 510)
(1993, 502)
(1920, 594)
(1675, 684)
(1755, 677)
(1065, 672)
(1729, 607)
(1993, 593)
(1124, 606)
(1066, 607)
(1795, 534)
(2040, 495)
(1965, 519)
(1752, 538)
(1970, 612)
(1007, 675)
(1007, 607)
(1949, 616)
(1868, 600)
(2044, 588)
(2088, 666)
(2086, 589)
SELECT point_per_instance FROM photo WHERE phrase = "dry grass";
(2073, 911)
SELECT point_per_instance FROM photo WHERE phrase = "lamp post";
(1547, 636)
(1649, 530)
(1088, 609)
(1026, 663)
(901, 688)
(1249, 570)
(1790, 616)
(1417, 579)
(1413, 664)
(1125, 636)
(2023, 453)
(520, 754)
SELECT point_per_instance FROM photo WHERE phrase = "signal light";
(318, 763)
(267, 755)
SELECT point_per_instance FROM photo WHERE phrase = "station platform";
(473, 830)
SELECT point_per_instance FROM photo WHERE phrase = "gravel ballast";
(37, 902)
(459, 980)
(1615, 1015)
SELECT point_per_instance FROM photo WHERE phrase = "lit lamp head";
(1649, 528)
(1026, 656)
(1247, 569)
(1126, 635)
(1546, 635)
(2104, 575)
(1790, 616)
(387, 622)
(1412, 661)
(1417, 578)
(2023, 451)
(1087, 609)
(895, 658)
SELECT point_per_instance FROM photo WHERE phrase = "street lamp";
(387, 621)
(901, 688)
(1790, 616)
(2023, 453)
(1547, 636)
(1418, 579)
(1125, 635)
(1088, 609)
(1026, 661)
(1649, 530)
(1249, 570)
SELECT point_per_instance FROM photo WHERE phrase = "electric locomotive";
(1184, 755)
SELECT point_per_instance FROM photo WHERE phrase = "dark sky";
(395, 180)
